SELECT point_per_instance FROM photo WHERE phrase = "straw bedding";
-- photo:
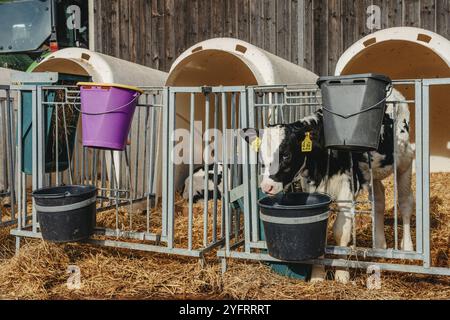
(40, 269)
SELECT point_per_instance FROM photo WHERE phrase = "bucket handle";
(136, 96)
(391, 89)
(54, 195)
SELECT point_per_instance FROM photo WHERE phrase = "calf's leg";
(379, 203)
(342, 230)
(406, 205)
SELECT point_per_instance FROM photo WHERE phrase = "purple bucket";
(107, 113)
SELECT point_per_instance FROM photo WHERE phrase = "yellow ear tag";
(307, 143)
(256, 144)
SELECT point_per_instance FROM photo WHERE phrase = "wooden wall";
(312, 33)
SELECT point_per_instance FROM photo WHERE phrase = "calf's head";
(283, 151)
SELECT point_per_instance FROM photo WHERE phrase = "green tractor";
(31, 29)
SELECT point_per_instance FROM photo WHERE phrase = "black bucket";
(295, 225)
(66, 213)
(353, 110)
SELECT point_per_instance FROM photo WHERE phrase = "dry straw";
(40, 269)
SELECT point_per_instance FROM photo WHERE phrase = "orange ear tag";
(307, 143)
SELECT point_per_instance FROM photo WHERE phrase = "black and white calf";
(285, 162)
(198, 183)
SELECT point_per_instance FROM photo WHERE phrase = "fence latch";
(206, 90)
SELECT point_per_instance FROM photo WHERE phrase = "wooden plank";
(428, 15)
(335, 34)
(134, 35)
(158, 46)
(383, 5)
(169, 34)
(104, 38)
(297, 45)
(191, 23)
(442, 18)
(412, 13)
(256, 23)
(283, 29)
(270, 33)
(217, 18)
(395, 13)
(114, 47)
(204, 19)
(181, 31)
(308, 35)
(321, 37)
(98, 26)
(348, 24)
(361, 18)
(124, 35)
(231, 18)
(146, 32)
(243, 16)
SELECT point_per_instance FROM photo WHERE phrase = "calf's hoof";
(318, 274)
(380, 244)
(407, 245)
(342, 276)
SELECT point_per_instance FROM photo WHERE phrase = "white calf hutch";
(409, 53)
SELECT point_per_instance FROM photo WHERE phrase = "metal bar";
(131, 191)
(41, 124)
(149, 154)
(206, 169)
(426, 176)
(419, 180)
(341, 263)
(136, 160)
(103, 175)
(69, 159)
(225, 191)
(216, 159)
(20, 208)
(56, 143)
(120, 244)
(191, 169)
(233, 165)
(116, 185)
(10, 154)
(253, 171)
(352, 183)
(143, 236)
(358, 252)
(436, 81)
(165, 158)
(83, 165)
(76, 157)
(34, 152)
(394, 118)
(94, 166)
(212, 246)
(170, 173)
(245, 171)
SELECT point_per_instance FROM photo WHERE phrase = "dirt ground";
(40, 270)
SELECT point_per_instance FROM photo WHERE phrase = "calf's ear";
(249, 134)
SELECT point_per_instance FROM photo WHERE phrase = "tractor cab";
(29, 29)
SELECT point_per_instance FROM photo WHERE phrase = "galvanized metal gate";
(150, 174)
(251, 246)
(127, 178)
(7, 150)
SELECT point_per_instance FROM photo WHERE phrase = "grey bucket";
(353, 110)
